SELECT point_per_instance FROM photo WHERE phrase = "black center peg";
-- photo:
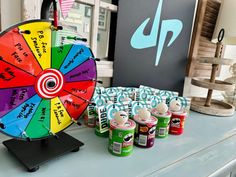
(56, 28)
(2, 126)
(28, 139)
(97, 59)
(25, 31)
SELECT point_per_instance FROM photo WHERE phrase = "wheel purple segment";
(84, 72)
(17, 120)
(13, 97)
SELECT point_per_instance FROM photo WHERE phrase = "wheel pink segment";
(15, 51)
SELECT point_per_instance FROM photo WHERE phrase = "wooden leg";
(208, 100)
(212, 80)
(215, 68)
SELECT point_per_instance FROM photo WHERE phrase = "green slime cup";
(97, 131)
(163, 123)
(121, 138)
(97, 128)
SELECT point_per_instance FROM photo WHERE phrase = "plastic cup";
(162, 129)
(177, 122)
(121, 138)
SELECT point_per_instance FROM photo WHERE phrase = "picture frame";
(88, 11)
(102, 22)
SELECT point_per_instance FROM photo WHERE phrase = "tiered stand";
(209, 105)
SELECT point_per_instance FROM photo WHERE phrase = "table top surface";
(207, 146)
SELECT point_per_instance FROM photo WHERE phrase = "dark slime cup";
(145, 130)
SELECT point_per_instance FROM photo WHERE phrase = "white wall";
(10, 12)
(15, 11)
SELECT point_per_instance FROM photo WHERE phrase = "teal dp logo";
(141, 41)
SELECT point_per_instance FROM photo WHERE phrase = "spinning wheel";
(45, 84)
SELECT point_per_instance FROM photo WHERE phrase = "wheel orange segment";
(16, 51)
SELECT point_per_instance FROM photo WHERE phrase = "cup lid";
(180, 113)
(155, 113)
(129, 125)
(151, 121)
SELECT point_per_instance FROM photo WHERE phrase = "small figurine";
(121, 117)
(162, 108)
(175, 106)
(144, 114)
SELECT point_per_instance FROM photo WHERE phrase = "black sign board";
(152, 43)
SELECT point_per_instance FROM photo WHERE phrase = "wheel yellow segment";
(39, 41)
(60, 119)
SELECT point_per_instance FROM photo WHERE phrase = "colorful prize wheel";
(45, 83)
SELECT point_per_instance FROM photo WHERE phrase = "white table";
(207, 148)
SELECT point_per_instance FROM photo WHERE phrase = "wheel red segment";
(84, 72)
(15, 50)
(13, 97)
(11, 76)
(83, 89)
(75, 106)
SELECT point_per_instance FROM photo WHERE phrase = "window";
(103, 33)
(91, 19)
(95, 20)
(79, 20)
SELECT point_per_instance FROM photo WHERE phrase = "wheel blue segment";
(77, 55)
(17, 120)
